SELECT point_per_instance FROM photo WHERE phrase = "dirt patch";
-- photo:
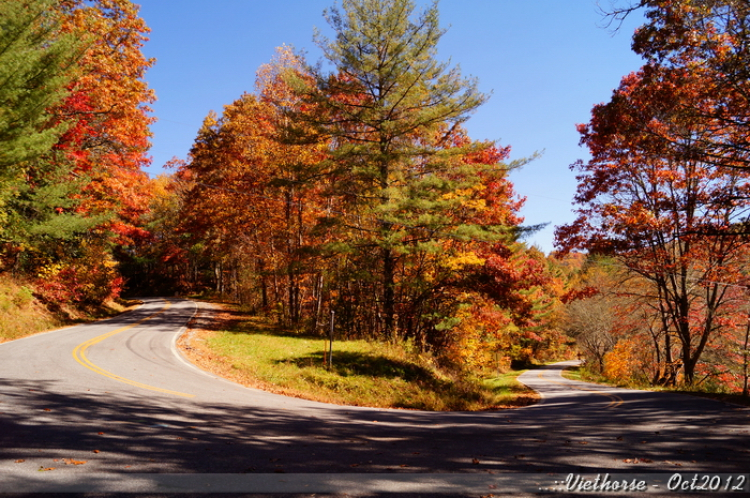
(192, 343)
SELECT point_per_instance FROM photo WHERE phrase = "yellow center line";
(616, 400)
(79, 353)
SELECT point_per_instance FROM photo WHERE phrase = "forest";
(356, 192)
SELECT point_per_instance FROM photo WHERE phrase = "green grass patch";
(585, 374)
(572, 373)
(363, 373)
(507, 387)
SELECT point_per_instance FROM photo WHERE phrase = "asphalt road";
(112, 406)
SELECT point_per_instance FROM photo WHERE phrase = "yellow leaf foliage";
(462, 260)
(622, 363)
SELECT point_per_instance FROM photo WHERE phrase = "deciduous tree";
(708, 42)
(670, 217)
(81, 190)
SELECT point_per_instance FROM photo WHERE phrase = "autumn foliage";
(665, 194)
(68, 210)
(357, 195)
(285, 214)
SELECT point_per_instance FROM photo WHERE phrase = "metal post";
(330, 340)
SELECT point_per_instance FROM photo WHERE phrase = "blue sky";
(546, 63)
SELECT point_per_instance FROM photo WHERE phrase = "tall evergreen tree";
(36, 63)
(392, 112)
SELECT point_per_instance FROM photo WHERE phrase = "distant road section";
(550, 383)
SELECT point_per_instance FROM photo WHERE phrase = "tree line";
(358, 192)
(74, 121)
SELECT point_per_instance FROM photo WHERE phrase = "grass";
(20, 313)
(583, 374)
(363, 373)
(587, 375)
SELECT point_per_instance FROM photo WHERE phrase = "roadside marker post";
(330, 340)
(328, 344)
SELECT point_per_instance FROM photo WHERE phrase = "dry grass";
(21, 314)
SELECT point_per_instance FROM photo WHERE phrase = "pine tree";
(393, 113)
(45, 218)
(36, 63)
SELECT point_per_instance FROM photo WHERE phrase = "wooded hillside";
(355, 193)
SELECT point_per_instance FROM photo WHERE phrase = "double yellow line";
(615, 399)
(79, 353)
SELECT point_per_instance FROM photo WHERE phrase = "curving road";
(115, 398)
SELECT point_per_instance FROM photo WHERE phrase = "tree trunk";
(389, 304)
(745, 358)
(263, 286)
(669, 370)
(318, 300)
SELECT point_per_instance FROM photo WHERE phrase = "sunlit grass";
(363, 373)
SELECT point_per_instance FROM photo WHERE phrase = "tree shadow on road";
(40, 426)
